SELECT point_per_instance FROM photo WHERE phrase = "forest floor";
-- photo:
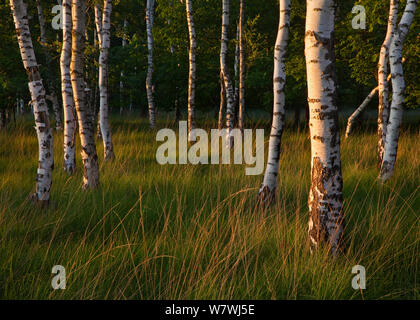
(193, 231)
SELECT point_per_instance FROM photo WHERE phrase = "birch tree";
(230, 95)
(241, 66)
(87, 141)
(37, 91)
(222, 101)
(398, 88)
(104, 35)
(67, 91)
(269, 185)
(52, 89)
(325, 202)
(383, 87)
(192, 66)
(149, 79)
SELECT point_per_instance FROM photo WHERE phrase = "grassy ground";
(192, 232)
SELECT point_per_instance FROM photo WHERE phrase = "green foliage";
(357, 53)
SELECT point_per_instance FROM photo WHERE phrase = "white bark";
(222, 101)
(104, 29)
(352, 119)
(230, 95)
(325, 197)
(398, 88)
(236, 68)
(53, 94)
(149, 78)
(241, 67)
(87, 141)
(36, 88)
(383, 86)
(268, 187)
(192, 65)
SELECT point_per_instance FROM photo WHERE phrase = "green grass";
(193, 232)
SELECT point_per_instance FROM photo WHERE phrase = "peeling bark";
(398, 88)
(89, 155)
(326, 219)
(269, 185)
(37, 90)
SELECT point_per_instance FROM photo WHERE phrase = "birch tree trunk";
(104, 44)
(398, 88)
(98, 41)
(89, 155)
(352, 119)
(230, 95)
(269, 185)
(241, 66)
(149, 78)
(222, 101)
(383, 86)
(326, 220)
(191, 78)
(37, 90)
(67, 91)
(52, 89)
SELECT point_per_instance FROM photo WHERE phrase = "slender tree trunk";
(241, 67)
(37, 90)
(97, 41)
(52, 89)
(236, 71)
(383, 86)
(222, 101)
(230, 95)
(149, 78)
(398, 88)
(352, 119)
(356, 114)
(326, 218)
(89, 155)
(269, 185)
(191, 78)
(103, 29)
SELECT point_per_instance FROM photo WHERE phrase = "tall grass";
(193, 232)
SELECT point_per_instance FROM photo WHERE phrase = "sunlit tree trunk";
(191, 78)
(52, 89)
(268, 187)
(398, 88)
(89, 155)
(383, 86)
(222, 101)
(103, 28)
(326, 218)
(230, 95)
(236, 70)
(97, 40)
(352, 119)
(241, 66)
(37, 90)
(149, 78)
